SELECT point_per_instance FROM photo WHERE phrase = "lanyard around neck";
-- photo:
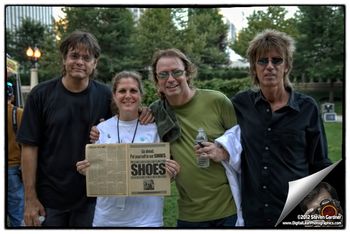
(133, 138)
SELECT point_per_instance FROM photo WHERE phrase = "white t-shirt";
(128, 211)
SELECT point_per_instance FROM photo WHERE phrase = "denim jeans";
(15, 196)
(227, 222)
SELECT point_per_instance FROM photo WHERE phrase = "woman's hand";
(82, 166)
(172, 167)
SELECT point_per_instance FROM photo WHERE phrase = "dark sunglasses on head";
(174, 74)
(265, 61)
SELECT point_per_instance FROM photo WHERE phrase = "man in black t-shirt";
(55, 128)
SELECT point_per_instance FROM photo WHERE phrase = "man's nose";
(270, 65)
(171, 76)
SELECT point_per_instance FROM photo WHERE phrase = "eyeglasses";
(265, 61)
(325, 201)
(174, 74)
(77, 56)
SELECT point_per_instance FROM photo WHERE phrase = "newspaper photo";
(127, 170)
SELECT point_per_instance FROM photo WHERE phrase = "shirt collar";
(292, 102)
(258, 97)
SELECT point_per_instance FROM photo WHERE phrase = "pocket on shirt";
(291, 141)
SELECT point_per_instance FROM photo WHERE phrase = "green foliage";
(205, 38)
(273, 18)
(202, 37)
(129, 45)
(200, 34)
(50, 61)
(207, 73)
(228, 87)
(334, 133)
(150, 94)
(170, 212)
(29, 27)
(10, 42)
(31, 33)
(320, 47)
(155, 30)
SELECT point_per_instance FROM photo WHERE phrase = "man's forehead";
(79, 48)
(269, 52)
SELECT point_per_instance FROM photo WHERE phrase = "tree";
(30, 33)
(155, 30)
(10, 42)
(273, 18)
(321, 50)
(206, 37)
(50, 63)
(199, 33)
(321, 42)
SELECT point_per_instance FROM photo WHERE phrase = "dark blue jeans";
(80, 216)
(15, 196)
(227, 222)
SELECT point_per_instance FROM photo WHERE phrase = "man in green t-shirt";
(206, 194)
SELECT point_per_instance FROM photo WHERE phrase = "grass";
(170, 207)
(335, 141)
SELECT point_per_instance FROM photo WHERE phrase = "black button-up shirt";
(278, 147)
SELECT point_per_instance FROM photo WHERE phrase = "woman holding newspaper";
(124, 127)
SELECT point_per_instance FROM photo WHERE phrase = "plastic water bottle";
(202, 162)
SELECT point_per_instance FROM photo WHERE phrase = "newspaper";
(127, 170)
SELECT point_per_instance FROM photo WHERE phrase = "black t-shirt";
(58, 122)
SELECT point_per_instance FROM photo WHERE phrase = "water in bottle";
(202, 162)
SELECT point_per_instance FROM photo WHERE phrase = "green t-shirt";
(204, 192)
